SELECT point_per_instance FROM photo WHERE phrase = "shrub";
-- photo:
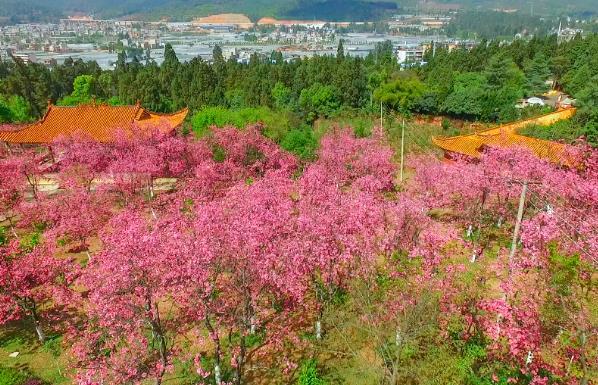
(29, 241)
(309, 374)
(446, 124)
(565, 130)
(12, 376)
(14, 109)
(301, 142)
(276, 123)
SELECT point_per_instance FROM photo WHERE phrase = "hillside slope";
(349, 10)
(187, 9)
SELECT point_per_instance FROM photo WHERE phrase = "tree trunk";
(151, 188)
(40, 333)
(158, 334)
(398, 337)
(582, 359)
(216, 340)
(217, 376)
(318, 329)
(12, 228)
(41, 336)
(32, 179)
(240, 361)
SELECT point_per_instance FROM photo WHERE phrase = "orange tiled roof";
(472, 145)
(100, 122)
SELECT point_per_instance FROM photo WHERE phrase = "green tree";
(171, 61)
(19, 109)
(505, 85)
(319, 101)
(217, 55)
(282, 96)
(588, 110)
(5, 112)
(502, 72)
(576, 79)
(83, 91)
(121, 61)
(467, 96)
(83, 86)
(559, 66)
(301, 142)
(402, 93)
(537, 72)
(105, 85)
(383, 55)
(340, 51)
(235, 98)
(309, 374)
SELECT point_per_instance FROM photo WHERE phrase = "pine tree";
(171, 61)
(217, 55)
(340, 51)
(537, 72)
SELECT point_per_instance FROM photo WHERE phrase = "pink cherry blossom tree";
(244, 271)
(30, 280)
(557, 221)
(128, 336)
(75, 216)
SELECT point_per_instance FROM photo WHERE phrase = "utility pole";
(518, 223)
(381, 121)
(402, 148)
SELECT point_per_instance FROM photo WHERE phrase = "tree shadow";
(21, 333)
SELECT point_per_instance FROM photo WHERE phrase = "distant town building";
(5, 53)
(410, 55)
(25, 57)
(290, 23)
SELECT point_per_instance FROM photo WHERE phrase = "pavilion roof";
(473, 145)
(98, 121)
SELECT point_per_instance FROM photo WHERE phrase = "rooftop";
(98, 121)
(473, 145)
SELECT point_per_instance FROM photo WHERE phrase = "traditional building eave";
(99, 122)
(473, 145)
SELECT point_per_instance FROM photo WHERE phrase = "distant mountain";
(537, 7)
(15, 11)
(348, 10)
(188, 9)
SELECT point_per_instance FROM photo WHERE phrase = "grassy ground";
(418, 130)
(46, 362)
